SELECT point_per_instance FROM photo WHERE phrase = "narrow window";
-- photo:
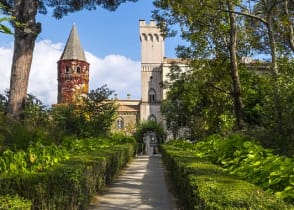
(66, 69)
(144, 37)
(156, 37)
(152, 96)
(150, 37)
(78, 69)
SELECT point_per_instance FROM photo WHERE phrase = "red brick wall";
(73, 80)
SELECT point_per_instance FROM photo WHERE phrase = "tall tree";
(271, 24)
(212, 32)
(273, 31)
(26, 32)
(234, 64)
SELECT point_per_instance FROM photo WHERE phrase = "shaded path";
(141, 186)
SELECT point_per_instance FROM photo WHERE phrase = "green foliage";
(8, 202)
(62, 8)
(199, 184)
(202, 97)
(120, 138)
(36, 158)
(204, 106)
(91, 118)
(247, 159)
(33, 127)
(39, 157)
(278, 126)
(3, 28)
(35, 113)
(71, 183)
(146, 126)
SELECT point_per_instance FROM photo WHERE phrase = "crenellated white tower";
(152, 55)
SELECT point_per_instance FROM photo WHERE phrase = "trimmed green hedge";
(71, 184)
(199, 184)
(8, 202)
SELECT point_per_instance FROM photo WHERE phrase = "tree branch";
(247, 15)
(218, 88)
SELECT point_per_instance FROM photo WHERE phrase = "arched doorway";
(151, 143)
(149, 134)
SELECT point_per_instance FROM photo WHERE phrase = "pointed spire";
(73, 49)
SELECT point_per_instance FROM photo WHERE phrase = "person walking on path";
(142, 185)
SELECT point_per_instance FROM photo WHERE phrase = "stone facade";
(73, 78)
(152, 54)
(128, 115)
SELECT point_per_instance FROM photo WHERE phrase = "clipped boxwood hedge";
(9, 202)
(198, 184)
(71, 184)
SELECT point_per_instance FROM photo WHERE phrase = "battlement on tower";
(151, 24)
(152, 42)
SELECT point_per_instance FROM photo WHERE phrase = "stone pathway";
(141, 186)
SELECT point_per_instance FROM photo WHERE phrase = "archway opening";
(149, 135)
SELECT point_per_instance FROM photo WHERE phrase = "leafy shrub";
(247, 159)
(120, 138)
(9, 202)
(71, 183)
(199, 184)
(152, 126)
(36, 158)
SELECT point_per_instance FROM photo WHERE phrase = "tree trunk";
(26, 32)
(236, 90)
(290, 25)
(273, 45)
(275, 71)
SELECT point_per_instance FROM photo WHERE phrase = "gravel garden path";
(142, 185)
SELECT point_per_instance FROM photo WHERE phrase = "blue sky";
(103, 32)
(110, 40)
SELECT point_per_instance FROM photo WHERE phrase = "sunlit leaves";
(3, 28)
(247, 159)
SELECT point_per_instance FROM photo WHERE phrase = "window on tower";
(156, 37)
(144, 37)
(150, 37)
(152, 96)
(78, 69)
(66, 69)
(152, 118)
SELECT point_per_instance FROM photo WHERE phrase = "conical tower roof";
(73, 49)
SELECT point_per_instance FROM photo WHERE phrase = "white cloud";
(117, 72)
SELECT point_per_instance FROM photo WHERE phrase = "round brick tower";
(73, 71)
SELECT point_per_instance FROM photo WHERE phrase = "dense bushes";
(249, 160)
(14, 203)
(52, 158)
(36, 158)
(71, 183)
(199, 184)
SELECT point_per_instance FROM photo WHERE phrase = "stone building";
(152, 55)
(73, 78)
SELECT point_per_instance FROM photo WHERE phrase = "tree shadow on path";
(142, 185)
